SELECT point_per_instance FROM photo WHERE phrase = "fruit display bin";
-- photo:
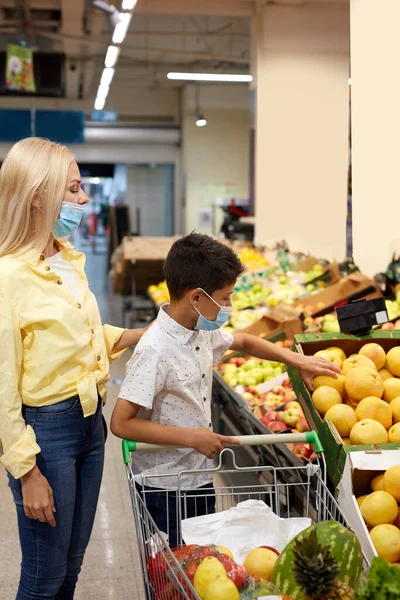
(235, 418)
(308, 344)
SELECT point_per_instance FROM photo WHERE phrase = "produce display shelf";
(236, 409)
(335, 449)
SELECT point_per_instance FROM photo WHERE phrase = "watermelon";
(344, 546)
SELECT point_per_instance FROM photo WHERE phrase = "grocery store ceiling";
(164, 35)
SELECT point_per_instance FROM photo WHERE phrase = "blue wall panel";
(66, 127)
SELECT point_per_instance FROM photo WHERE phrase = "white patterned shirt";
(170, 377)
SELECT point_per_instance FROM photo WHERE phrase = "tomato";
(237, 574)
(190, 569)
(201, 552)
(226, 560)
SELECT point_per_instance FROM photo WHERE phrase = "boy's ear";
(195, 296)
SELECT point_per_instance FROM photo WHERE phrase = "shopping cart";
(164, 579)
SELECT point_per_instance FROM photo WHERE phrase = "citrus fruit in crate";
(374, 408)
(324, 398)
(391, 482)
(393, 361)
(362, 382)
(357, 361)
(391, 389)
(377, 482)
(394, 434)
(386, 539)
(368, 432)
(374, 352)
(343, 417)
(379, 508)
(336, 383)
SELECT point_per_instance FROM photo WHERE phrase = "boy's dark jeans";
(162, 506)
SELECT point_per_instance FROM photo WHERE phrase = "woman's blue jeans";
(71, 459)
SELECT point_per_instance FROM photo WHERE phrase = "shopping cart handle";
(308, 437)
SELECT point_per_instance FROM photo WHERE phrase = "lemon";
(221, 588)
(207, 571)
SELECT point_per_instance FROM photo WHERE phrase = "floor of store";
(111, 568)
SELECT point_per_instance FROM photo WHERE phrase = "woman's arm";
(18, 439)
(129, 338)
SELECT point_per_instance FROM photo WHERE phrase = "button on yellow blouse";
(48, 351)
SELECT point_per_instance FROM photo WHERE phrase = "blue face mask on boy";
(70, 218)
(204, 324)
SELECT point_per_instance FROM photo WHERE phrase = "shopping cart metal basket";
(164, 578)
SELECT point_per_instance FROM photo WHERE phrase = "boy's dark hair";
(199, 261)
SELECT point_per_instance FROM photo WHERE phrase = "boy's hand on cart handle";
(209, 443)
(312, 366)
(38, 497)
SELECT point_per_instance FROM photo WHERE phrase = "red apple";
(271, 548)
(308, 451)
(277, 426)
(240, 361)
(302, 425)
(289, 396)
(293, 404)
(279, 390)
(291, 416)
(253, 390)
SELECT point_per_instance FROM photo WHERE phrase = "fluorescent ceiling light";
(111, 56)
(129, 4)
(99, 104)
(349, 81)
(107, 77)
(210, 77)
(121, 28)
(201, 121)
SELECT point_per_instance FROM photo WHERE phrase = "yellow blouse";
(48, 346)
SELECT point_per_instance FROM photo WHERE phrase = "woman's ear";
(38, 199)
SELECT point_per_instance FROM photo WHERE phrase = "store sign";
(19, 70)
(104, 116)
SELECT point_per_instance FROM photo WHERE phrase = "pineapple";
(316, 572)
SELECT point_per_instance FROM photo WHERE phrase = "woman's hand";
(38, 497)
(311, 366)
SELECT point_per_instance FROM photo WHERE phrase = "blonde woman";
(54, 362)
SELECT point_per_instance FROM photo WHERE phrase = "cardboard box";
(353, 286)
(335, 450)
(359, 470)
(279, 321)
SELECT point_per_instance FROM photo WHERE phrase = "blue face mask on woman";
(70, 218)
(204, 324)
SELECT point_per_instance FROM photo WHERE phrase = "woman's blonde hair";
(33, 179)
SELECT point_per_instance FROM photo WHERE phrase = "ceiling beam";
(228, 8)
(92, 69)
(129, 49)
(72, 25)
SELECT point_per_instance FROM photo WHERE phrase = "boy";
(166, 395)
